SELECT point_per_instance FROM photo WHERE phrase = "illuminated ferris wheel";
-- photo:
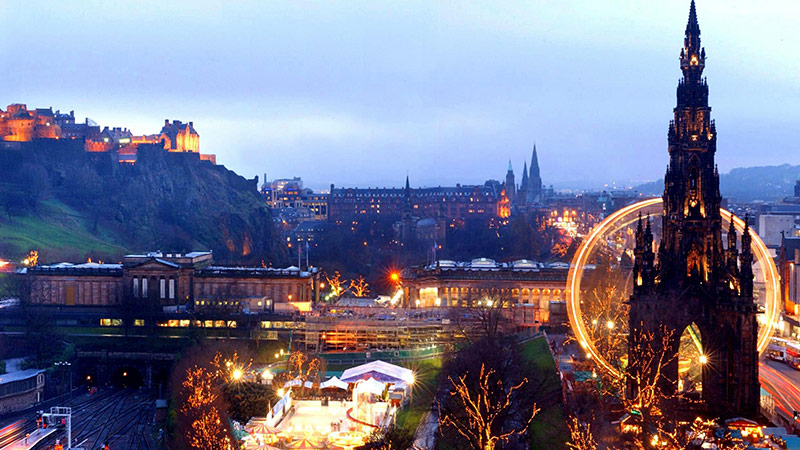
(600, 283)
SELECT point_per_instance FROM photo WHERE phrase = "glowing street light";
(236, 374)
(703, 359)
(610, 324)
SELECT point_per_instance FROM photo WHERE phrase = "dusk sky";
(362, 92)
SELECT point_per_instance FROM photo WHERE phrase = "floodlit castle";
(19, 124)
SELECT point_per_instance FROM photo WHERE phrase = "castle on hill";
(19, 124)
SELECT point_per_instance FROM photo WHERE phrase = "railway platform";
(35, 437)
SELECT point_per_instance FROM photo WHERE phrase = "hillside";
(69, 204)
(746, 184)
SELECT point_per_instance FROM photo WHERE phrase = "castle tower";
(696, 279)
(534, 192)
(511, 188)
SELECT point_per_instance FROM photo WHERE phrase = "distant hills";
(69, 205)
(746, 184)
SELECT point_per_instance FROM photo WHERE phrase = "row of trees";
(358, 287)
(372, 247)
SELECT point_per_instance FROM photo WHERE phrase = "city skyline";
(366, 93)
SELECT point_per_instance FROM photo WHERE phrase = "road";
(783, 383)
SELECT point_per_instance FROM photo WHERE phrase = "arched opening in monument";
(691, 360)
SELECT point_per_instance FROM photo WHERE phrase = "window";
(171, 288)
(138, 322)
(162, 288)
(135, 287)
(144, 287)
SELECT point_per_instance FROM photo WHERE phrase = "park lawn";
(548, 429)
(427, 373)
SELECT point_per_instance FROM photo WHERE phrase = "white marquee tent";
(334, 383)
(380, 371)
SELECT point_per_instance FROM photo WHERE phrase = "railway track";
(119, 419)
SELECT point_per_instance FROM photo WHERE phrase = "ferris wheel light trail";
(761, 253)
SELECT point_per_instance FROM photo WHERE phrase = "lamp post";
(68, 366)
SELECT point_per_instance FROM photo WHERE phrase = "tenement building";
(453, 203)
(162, 280)
(532, 290)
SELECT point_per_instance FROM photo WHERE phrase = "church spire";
(693, 55)
(524, 190)
(534, 163)
(692, 26)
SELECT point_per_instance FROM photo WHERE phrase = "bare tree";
(201, 409)
(580, 435)
(484, 408)
(336, 283)
(359, 287)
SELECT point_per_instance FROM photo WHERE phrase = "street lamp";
(610, 324)
(703, 359)
(236, 374)
(67, 365)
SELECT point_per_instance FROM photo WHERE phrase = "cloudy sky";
(362, 92)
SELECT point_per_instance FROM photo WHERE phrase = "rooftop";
(19, 375)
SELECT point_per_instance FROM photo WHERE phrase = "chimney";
(191, 124)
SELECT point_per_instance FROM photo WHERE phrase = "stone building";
(527, 286)
(162, 280)
(179, 137)
(452, 203)
(18, 124)
(21, 389)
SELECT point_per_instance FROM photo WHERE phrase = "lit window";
(138, 322)
(105, 322)
(144, 287)
(135, 287)
(162, 288)
(171, 289)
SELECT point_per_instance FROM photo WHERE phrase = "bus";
(776, 350)
(793, 355)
